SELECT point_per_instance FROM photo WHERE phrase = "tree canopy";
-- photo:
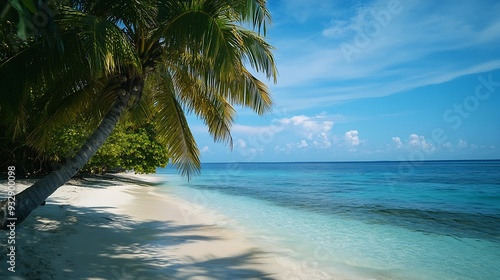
(191, 56)
(155, 60)
(127, 148)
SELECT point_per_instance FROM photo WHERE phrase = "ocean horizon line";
(351, 161)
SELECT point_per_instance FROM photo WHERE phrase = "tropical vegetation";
(154, 61)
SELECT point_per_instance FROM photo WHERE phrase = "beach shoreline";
(122, 227)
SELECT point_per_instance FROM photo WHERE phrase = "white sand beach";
(121, 228)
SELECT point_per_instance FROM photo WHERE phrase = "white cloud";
(419, 142)
(303, 144)
(416, 141)
(316, 129)
(308, 125)
(205, 149)
(352, 138)
(397, 141)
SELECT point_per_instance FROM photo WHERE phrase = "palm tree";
(160, 59)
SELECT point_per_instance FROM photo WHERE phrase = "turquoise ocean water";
(376, 220)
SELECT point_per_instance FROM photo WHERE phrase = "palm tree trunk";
(32, 197)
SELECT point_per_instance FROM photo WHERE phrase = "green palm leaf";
(216, 112)
(193, 56)
(171, 124)
(93, 48)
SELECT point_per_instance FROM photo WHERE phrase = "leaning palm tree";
(153, 59)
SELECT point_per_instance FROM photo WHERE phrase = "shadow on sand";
(115, 247)
(99, 181)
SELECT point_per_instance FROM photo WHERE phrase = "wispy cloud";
(332, 94)
(411, 50)
(256, 130)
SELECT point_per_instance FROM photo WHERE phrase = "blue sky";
(375, 80)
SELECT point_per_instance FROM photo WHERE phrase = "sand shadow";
(115, 247)
(100, 181)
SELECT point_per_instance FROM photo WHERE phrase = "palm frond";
(172, 126)
(250, 92)
(214, 49)
(54, 111)
(105, 46)
(258, 53)
(256, 13)
(129, 12)
(93, 48)
(197, 33)
(42, 68)
(253, 12)
(198, 98)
